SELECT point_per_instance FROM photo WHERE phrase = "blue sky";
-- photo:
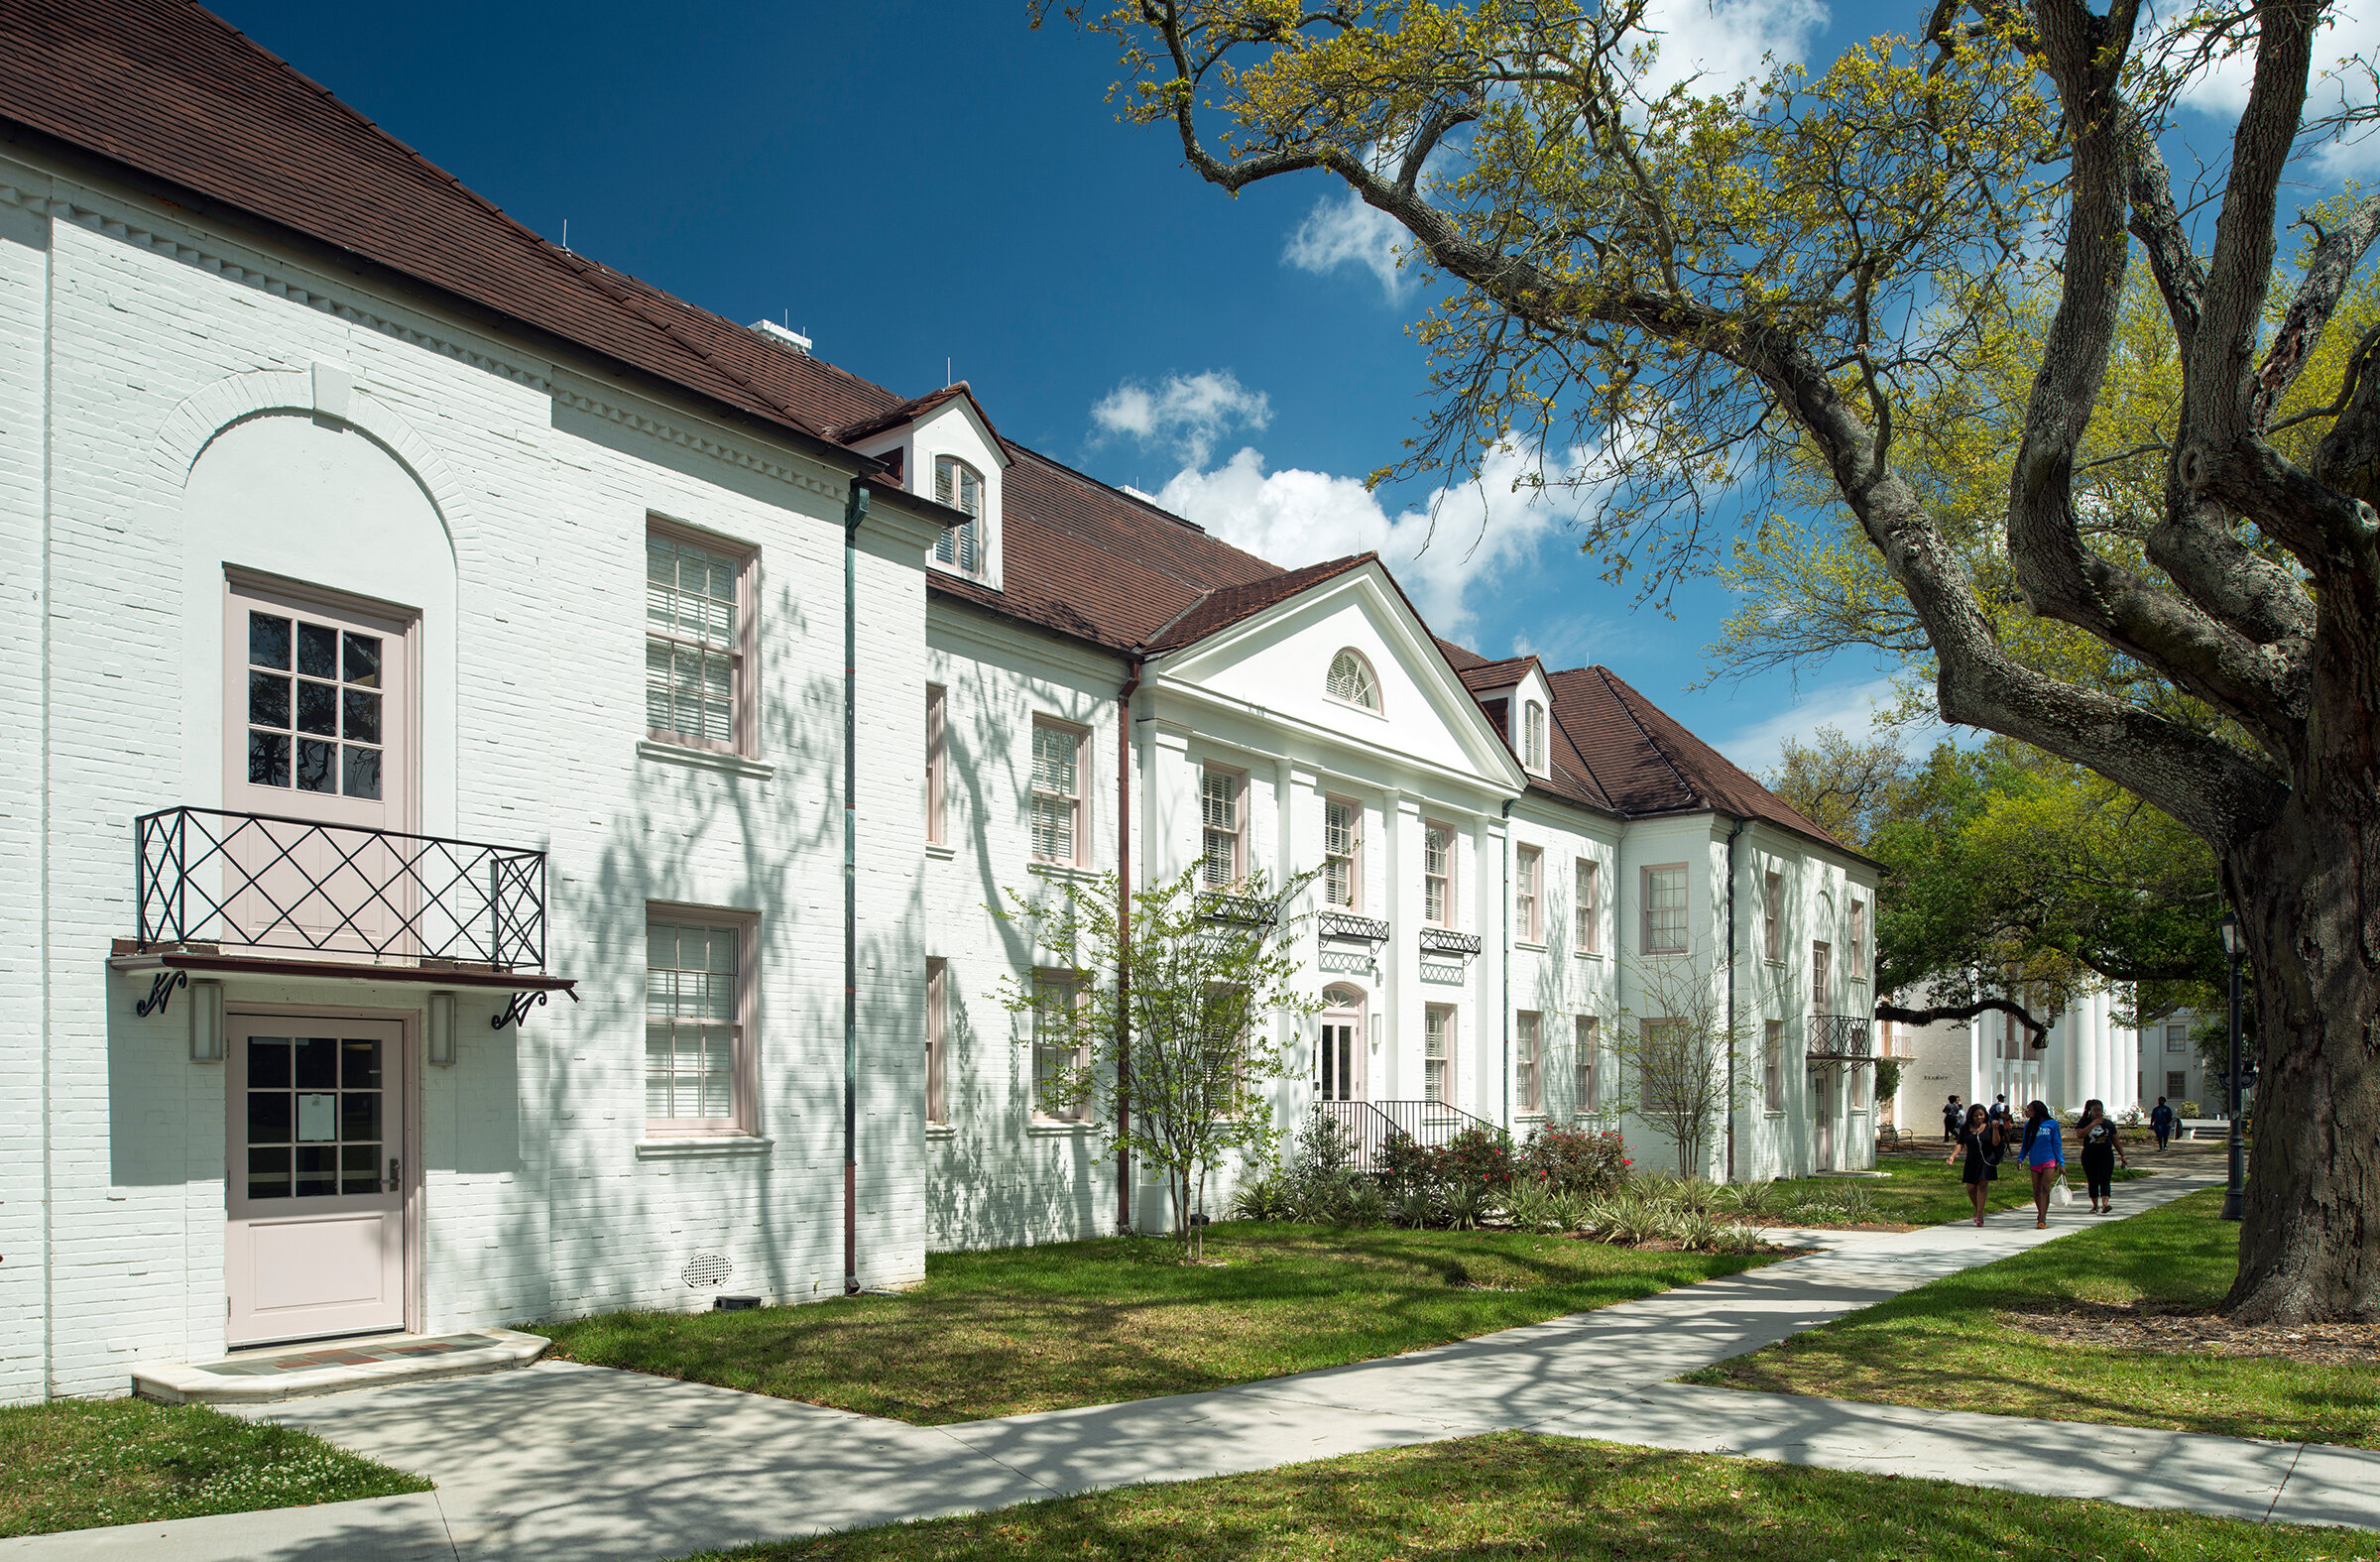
(914, 184)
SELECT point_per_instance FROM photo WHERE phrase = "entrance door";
(315, 1239)
(1341, 1048)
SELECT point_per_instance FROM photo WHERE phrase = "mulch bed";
(2186, 1332)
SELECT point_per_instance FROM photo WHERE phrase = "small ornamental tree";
(1164, 1034)
(1674, 1061)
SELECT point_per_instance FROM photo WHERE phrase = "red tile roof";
(175, 94)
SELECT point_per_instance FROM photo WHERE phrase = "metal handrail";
(1845, 1037)
(260, 881)
(1372, 1126)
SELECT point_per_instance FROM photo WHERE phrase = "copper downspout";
(1124, 946)
(855, 512)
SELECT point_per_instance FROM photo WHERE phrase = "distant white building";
(2086, 1054)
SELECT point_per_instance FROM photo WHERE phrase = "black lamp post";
(2233, 1195)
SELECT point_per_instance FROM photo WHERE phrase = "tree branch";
(2036, 1031)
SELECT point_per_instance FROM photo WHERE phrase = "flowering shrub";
(1574, 1160)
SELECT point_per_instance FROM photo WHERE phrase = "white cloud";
(1342, 231)
(1759, 745)
(1725, 44)
(1457, 545)
(2220, 91)
(1187, 415)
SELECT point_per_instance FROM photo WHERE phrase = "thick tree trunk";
(2308, 890)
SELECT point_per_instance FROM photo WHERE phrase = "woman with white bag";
(2044, 1155)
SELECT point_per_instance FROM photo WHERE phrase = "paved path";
(563, 1461)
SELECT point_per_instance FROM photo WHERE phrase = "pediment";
(1279, 660)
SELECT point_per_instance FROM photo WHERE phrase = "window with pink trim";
(937, 766)
(699, 636)
(699, 1012)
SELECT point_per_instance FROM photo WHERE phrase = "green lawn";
(1943, 1345)
(1091, 1322)
(72, 1463)
(1514, 1495)
(1920, 1192)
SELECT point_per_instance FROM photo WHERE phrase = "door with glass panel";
(317, 731)
(1340, 1061)
(314, 1243)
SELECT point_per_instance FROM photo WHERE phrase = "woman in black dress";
(2102, 1147)
(1979, 1142)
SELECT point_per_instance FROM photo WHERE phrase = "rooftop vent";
(784, 334)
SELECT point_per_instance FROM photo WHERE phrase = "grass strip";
(1042, 1328)
(1917, 1191)
(72, 1463)
(1945, 1345)
(1516, 1495)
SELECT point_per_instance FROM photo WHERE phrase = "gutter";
(1733, 1106)
(855, 510)
(1124, 946)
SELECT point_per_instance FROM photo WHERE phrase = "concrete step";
(297, 1371)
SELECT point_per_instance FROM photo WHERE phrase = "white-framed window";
(1586, 1063)
(1856, 1093)
(1224, 859)
(2177, 1085)
(698, 1065)
(1528, 895)
(1587, 911)
(1437, 1054)
(1061, 1051)
(698, 641)
(1057, 792)
(937, 1039)
(1341, 852)
(1528, 1061)
(961, 487)
(1438, 874)
(937, 765)
(2177, 1038)
(1821, 978)
(1772, 1066)
(1772, 917)
(1351, 680)
(1532, 737)
(1664, 893)
(1858, 940)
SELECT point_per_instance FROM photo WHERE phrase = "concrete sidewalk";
(563, 1461)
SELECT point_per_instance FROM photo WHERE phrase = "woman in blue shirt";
(2045, 1156)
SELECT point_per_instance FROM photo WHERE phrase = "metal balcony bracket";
(1352, 928)
(520, 1004)
(161, 991)
(1445, 942)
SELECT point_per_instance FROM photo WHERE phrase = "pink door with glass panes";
(315, 1240)
(318, 729)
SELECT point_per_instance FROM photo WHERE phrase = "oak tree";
(1706, 285)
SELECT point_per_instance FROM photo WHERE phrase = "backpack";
(1996, 1145)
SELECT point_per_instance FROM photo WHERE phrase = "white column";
(1169, 801)
(1400, 906)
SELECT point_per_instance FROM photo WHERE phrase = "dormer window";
(961, 487)
(1351, 680)
(1532, 737)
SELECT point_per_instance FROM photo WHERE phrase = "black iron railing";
(1372, 1126)
(1351, 928)
(256, 881)
(1246, 911)
(1445, 942)
(1841, 1038)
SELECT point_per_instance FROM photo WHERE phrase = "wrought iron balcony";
(254, 883)
(1248, 911)
(1841, 1039)
(1351, 928)
(1445, 942)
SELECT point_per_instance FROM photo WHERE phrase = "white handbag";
(2059, 1193)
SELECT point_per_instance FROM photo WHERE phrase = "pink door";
(318, 727)
(315, 1240)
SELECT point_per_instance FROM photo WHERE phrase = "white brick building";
(467, 624)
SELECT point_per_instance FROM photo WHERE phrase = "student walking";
(1952, 1115)
(2160, 1121)
(2102, 1146)
(1980, 1141)
(2001, 1113)
(2043, 1154)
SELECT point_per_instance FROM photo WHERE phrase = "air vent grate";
(707, 1268)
